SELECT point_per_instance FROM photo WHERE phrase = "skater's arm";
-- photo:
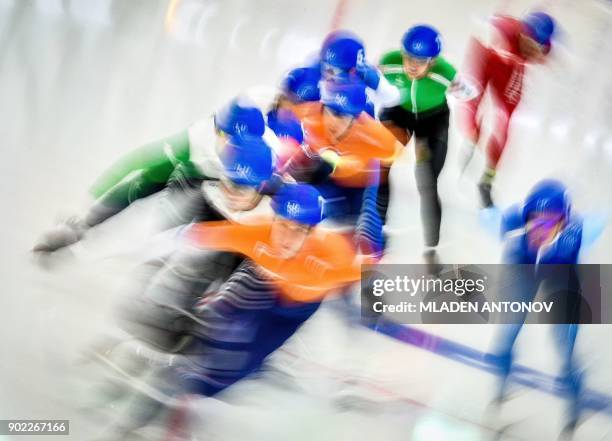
(445, 69)
(227, 236)
(154, 161)
(327, 270)
(475, 79)
(392, 86)
(375, 141)
(345, 166)
(385, 94)
(306, 165)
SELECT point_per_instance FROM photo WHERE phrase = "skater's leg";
(399, 122)
(566, 340)
(518, 283)
(429, 203)
(431, 149)
(437, 142)
(383, 194)
(369, 228)
(494, 150)
(569, 291)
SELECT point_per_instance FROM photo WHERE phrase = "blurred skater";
(423, 78)
(498, 66)
(542, 243)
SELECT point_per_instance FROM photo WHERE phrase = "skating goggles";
(330, 72)
(234, 189)
(537, 46)
(415, 61)
(545, 222)
(337, 113)
(220, 133)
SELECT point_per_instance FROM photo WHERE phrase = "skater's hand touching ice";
(67, 232)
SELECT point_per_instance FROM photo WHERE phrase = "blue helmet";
(344, 97)
(422, 41)
(539, 26)
(247, 160)
(547, 196)
(302, 84)
(343, 50)
(299, 203)
(285, 124)
(240, 117)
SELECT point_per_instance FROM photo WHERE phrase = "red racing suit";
(497, 68)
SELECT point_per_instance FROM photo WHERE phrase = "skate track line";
(531, 378)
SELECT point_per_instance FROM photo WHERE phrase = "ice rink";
(84, 81)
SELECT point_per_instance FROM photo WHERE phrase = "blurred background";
(84, 81)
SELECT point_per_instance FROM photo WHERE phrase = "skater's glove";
(66, 233)
(463, 89)
(331, 157)
(369, 74)
(272, 185)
